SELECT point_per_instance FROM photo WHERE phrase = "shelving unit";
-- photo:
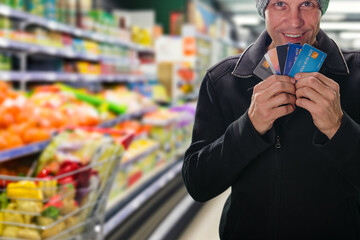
(30, 19)
(69, 77)
(146, 189)
(24, 50)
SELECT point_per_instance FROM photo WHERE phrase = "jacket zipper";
(277, 187)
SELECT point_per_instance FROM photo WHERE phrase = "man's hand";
(272, 98)
(321, 97)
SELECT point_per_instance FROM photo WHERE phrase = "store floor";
(205, 224)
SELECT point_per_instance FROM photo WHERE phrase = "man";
(288, 148)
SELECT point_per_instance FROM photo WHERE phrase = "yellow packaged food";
(24, 189)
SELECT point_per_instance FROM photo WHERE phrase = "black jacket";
(292, 183)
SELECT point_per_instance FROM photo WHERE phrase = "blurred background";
(97, 102)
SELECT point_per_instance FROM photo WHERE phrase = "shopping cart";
(70, 204)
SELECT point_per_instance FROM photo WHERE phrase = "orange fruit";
(36, 134)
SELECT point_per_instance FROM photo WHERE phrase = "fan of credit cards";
(290, 59)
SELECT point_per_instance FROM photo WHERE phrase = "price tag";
(52, 25)
(4, 42)
(4, 10)
(50, 76)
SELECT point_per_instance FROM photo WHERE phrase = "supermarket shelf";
(68, 77)
(56, 26)
(139, 156)
(134, 201)
(37, 147)
(58, 52)
(203, 36)
(190, 96)
(22, 151)
(126, 117)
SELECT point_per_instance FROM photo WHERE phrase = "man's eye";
(280, 4)
(307, 4)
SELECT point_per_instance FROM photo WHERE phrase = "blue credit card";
(292, 55)
(310, 59)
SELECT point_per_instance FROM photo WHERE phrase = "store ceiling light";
(239, 7)
(350, 35)
(340, 26)
(333, 17)
(344, 7)
(246, 20)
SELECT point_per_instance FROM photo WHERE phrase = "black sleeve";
(343, 149)
(218, 153)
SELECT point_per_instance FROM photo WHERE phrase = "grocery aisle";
(205, 224)
(96, 115)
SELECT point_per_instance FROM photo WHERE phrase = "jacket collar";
(252, 55)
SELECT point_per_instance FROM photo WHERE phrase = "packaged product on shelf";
(139, 159)
(5, 61)
(71, 182)
(71, 12)
(134, 101)
(61, 11)
(163, 123)
(50, 9)
(37, 7)
(184, 126)
(18, 4)
(141, 36)
(5, 26)
(90, 68)
(114, 107)
(84, 7)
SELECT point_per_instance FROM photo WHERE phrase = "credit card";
(292, 55)
(263, 69)
(272, 59)
(282, 54)
(310, 59)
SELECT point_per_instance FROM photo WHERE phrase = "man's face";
(292, 21)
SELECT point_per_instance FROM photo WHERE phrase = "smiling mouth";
(293, 35)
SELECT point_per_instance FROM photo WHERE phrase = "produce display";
(184, 125)
(163, 123)
(49, 109)
(58, 106)
(16, 128)
(68, 183)
(141, 157)
(134, 101)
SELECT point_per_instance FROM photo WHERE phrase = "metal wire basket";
(70, 205)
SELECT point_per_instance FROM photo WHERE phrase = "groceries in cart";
(62, 193)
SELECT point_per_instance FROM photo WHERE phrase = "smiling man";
(289, 148)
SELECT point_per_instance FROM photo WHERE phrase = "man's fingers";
(282, 99)
(307, 92)
(273, 79)
(283, 110)
(323, 79)
(280, 87)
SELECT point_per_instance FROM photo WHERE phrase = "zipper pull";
(277, 143)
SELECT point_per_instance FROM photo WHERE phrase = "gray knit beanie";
(262, 4)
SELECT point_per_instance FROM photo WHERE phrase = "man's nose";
(295, 18)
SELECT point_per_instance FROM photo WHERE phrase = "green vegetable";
(3, 201)
(117, 108)
(51, 212)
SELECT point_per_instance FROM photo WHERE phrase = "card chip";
(266, 64)
(314, 55)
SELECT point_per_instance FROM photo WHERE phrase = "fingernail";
(297, 76)
(292, 80)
